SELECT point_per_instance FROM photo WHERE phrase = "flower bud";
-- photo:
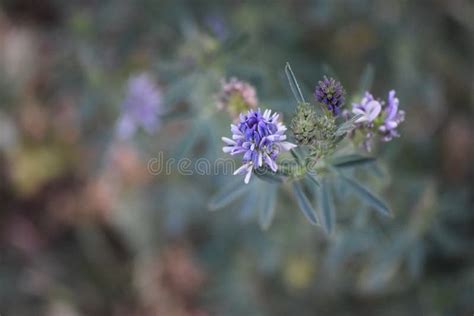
(330, 93)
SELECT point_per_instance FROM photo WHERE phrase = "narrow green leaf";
(295, 88)
(297, 156)
(250, 201)
(268, 175)
(228, 194)
(367, 196)
(304, 204)
(326, 206)
(312, 178)
(339, 139)
(347, 126)
(267, 210)
(352, 160)
(287, 168)
(377, 171)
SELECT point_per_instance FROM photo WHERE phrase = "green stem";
(299, 169)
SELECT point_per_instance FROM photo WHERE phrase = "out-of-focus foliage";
(86, 229)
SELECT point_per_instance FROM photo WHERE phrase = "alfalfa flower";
(141, 107)
(368, 109)
(330, 93)
(260, 138)
(393, 117)
(378, 118)
(236, 96)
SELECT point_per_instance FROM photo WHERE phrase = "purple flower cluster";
(378, 117)
(330, 93)
(141, 107)
(260, 138)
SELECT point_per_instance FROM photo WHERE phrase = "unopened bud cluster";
(316, 131)
(331, 94)
(303, 124)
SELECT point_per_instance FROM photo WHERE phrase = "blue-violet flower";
(141, 107)
(260, 138)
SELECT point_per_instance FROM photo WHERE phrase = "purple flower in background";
(218, 26)
(140, 108)
(368, 108)
(393, 117)
(330, 93)
(378, 117)
(260, 138)
(236, 96)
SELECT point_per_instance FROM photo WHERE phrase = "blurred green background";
(86, 230)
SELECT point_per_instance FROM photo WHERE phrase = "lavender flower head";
(260, 138)
(393, 117)
(140, 108)
(330, 93)
(236, 96)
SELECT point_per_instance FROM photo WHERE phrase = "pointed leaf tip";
(294, 86)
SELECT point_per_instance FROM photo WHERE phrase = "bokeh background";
(85, 229)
